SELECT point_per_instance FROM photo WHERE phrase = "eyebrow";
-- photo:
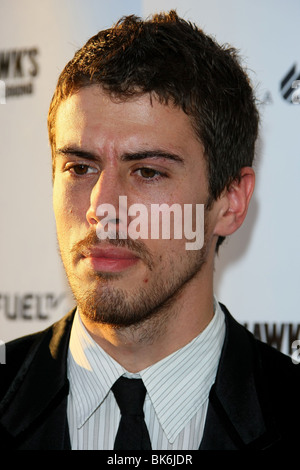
(77, 152)
(126, 157)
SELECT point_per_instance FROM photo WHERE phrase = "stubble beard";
(152, 304)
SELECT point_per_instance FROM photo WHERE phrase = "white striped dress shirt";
(177, 390)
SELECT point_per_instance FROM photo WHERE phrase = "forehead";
(91, 118)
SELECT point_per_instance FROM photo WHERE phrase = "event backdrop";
(257, 270)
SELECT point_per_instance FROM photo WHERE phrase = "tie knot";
(130, 396)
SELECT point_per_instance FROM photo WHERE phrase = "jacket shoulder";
(21, 351)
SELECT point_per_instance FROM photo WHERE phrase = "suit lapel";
(41, 404)
(235, 419)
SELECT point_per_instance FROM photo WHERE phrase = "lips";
(110, 259)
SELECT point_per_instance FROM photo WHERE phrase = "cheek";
(165, 252)
(69, 209)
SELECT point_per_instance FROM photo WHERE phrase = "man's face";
(149, 153)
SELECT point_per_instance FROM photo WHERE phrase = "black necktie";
(132, 433)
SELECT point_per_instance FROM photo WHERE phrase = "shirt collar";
(91, 371)
(178, 385)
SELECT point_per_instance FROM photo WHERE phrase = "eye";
(149, 173)
(81, 169)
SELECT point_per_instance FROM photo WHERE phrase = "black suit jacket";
(253, 405)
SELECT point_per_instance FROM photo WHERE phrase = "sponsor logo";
(31, 305)
(289, 88)
(290, 85)
(18, 70)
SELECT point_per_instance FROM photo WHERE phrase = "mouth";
(110, 259)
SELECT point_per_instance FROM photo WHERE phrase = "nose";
(105, 197)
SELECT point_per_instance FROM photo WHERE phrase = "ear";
(234, 203)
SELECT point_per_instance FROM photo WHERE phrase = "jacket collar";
(235, 416)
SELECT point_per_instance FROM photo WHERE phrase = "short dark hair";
(174, 61)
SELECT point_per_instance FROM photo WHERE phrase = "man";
(149, 113)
